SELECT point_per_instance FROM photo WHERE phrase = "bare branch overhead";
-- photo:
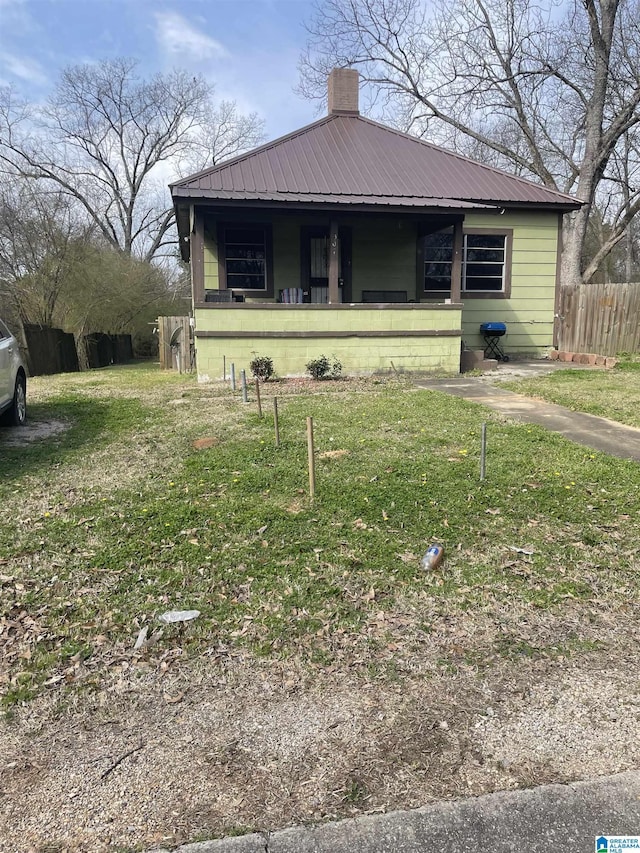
(544, 90)
(111, 140)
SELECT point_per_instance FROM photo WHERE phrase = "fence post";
(312, 460)
(276, 425)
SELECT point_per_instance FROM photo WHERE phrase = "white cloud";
(15, 20)
(178, 37)
(24, 68)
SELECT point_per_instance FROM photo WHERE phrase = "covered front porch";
(354, 217)
(298, 286)
(312, 258)
(295, 286)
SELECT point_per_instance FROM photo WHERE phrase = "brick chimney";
(343, 91)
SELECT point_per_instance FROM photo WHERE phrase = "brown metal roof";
(348, 159)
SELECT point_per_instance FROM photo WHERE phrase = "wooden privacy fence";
(175, 344)
(55, 351)
(103, 350)
(50, 350)
(599, 318)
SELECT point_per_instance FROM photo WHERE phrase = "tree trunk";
(574, 230)
(628, 253)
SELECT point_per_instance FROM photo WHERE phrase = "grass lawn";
(611, 394)
(118, 519)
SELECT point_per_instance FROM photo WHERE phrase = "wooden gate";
(175, 344)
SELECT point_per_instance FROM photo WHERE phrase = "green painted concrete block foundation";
(414, 338)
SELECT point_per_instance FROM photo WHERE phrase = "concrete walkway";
(589, 430)
(562, 818)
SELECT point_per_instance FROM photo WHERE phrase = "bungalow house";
(350, 239)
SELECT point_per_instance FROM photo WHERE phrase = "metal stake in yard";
(243, 377)
(312, 461)
(276, 425)
(258, 400)
(224, 368)
(483, 451)
(233, 376)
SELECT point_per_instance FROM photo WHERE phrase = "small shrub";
(322, 368)
(262, 367)
(319, 367)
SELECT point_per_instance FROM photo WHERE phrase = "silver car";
(13, 380)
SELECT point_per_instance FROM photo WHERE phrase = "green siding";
(210, 257)
(357, 354)
(529, 312)
(384, 256)
(286, 256)
(286, 253)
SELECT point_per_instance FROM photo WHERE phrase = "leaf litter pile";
(324, 673)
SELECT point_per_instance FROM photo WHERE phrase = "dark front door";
(315, 264)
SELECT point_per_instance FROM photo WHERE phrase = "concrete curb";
(563, 818)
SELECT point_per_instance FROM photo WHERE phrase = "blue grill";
(492, 332)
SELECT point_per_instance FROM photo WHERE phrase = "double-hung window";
(486, 263)
(484, 266)
(245, 256)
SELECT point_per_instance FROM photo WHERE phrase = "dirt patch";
(32, 431)
(333, 454)
(231, 745)
(205, 443)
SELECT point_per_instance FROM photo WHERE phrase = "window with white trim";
(484, 262)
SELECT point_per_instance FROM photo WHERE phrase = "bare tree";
(110, 140)
(224, 133)
(39, 236)
(618, 200)
(549, 91)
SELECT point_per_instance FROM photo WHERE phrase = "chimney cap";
(342, 91)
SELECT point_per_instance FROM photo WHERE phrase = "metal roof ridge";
(455, 154)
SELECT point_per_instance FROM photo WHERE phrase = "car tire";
(17, 414)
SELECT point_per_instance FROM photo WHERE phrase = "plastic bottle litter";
(433, 557)
(173, 616)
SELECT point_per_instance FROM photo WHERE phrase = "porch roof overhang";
(220, 201)
(195, 196)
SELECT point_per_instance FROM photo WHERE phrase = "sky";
(248, 48)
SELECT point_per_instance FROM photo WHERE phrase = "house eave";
(395, 204)
(184, 198)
